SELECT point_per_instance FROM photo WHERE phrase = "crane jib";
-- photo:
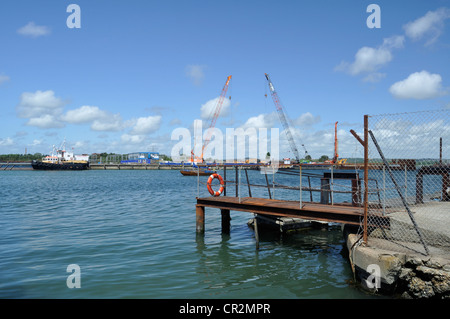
(283, 119)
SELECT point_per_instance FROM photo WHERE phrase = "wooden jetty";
(344, 214)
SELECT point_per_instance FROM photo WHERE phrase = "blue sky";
(136, 70)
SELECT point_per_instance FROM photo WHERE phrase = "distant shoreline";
(5, 166)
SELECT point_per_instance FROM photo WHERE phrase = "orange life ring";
(222, 183)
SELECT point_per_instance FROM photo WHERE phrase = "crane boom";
(336, 155)
(213, 119)
(283, 119)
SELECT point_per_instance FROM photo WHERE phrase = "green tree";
(165, 157)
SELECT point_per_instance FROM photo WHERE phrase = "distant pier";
(15, 166)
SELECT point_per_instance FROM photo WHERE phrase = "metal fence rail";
(405, 178)
(409, 156)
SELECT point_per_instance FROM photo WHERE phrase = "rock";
(438, 278)
(413, 261)
(406, 295)
(420, 289)
(433, 263)
(406, 274)
(441, 287)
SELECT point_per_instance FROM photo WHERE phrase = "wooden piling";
(324, 191)
(236, 179)
(356, 192)
(200, 218)
(225, 220)
(256, 233)
(248, 184)
(445, 186)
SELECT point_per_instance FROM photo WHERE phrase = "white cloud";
(3, 79)
(195, 73)
(39, 103)
(100, 120)
(262, 121)
(430, 25)
(401, 138)
(42, 108)
(306, 119)
(369, 60)
(374, 77)
(146, 125)
(175, 121)
(6, 141)
(132, 139)
(45, 121)
(111, 123)
(394, 42)
(84, 114)
(207, 110)
(79, 144)
(36, 143)
(33, 30)
(418, 85)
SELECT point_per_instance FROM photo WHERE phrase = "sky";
(121, 76)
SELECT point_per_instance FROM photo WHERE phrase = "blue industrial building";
(141, 158)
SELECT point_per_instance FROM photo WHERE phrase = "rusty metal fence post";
(366, 175)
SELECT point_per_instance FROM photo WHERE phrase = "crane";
(336, 155)
(335, 159)
(213, 121)
(283, 119)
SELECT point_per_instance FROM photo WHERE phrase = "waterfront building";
(141, 158)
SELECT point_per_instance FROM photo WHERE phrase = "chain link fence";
(409, 181)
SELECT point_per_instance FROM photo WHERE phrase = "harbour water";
(132, 233)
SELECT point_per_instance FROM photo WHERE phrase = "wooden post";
(256, 233)
(310, 190)
(225, 180)
(225, 220)
(200, 219)
(268, 187)
(300, 185)
(248, 184)
(356, 194)
(365, 144)
(324, 190)
(419, 187)
(236, 179)
(445, 186)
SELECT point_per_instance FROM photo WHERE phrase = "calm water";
(132, 233)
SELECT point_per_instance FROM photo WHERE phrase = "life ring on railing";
(222, 183)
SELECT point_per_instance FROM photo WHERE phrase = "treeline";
(20, 157)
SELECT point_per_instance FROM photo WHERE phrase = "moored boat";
(62, 160)
(193, 172)
(67, 165)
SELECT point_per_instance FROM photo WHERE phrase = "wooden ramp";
(344, 214)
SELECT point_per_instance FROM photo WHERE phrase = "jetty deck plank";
(312, 211)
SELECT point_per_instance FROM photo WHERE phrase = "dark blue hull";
(60, 166)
